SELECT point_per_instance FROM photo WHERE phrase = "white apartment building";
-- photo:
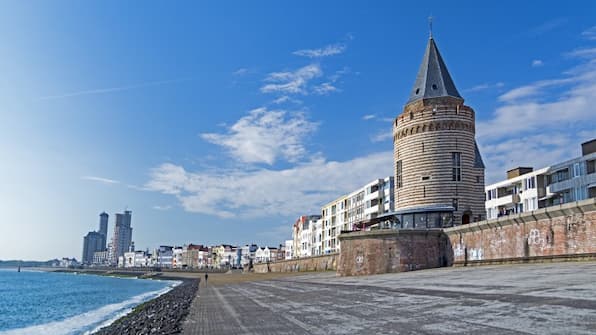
(263, 255)
(344, 213)
(289, 249)
(317, 238)
(528, 190)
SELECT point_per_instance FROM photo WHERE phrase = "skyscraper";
(122, 239)
(439, 173)
(103, 228)
(92, 242)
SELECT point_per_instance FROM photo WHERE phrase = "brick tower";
(439, 173)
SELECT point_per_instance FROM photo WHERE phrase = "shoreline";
(163, 314)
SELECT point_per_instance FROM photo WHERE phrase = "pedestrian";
(206, 277)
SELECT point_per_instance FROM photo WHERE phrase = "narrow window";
(398, 173)
(422, 146)
(456, 166)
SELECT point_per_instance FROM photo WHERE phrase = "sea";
(37, 302)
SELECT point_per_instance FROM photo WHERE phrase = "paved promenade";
(556, 298)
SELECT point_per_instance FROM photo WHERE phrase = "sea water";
(35, 302)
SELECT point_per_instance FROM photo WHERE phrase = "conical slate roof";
(433, 79)
(478, 163)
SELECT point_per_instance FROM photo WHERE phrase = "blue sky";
(221, 123)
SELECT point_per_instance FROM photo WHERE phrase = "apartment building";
(526, 189)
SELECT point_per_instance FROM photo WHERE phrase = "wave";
(91, 321)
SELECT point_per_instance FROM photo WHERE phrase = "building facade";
(103, 228)
(437, 164)
(526, 189)
(92, 243)
(122, 239)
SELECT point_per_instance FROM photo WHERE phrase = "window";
(576, 170)
(456, 166)
(398, 174)
(530, 183)
(454, 202)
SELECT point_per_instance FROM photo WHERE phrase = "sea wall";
(385, 251)
(317, 263)
(557, 232)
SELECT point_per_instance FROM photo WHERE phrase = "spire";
(433, 79)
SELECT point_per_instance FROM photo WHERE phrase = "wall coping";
(571, 208)
(299, 259)
(388, 233)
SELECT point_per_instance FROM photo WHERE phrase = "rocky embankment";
(162, 315)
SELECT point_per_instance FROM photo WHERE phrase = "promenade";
(554, 298)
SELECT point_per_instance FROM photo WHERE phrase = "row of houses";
(196, 256)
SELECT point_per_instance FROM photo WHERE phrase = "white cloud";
(240, 72)
(162, 208)
(112, 89)
(484, 86)
(325, 88)
(265, 135)
(589, 53)
(537, 63)
(542, 122)
(382, 136)
(264, 192)
(329, 50)
(100, 180)
(292, 82)
(368, 117)
(539, 150)
(590, 33)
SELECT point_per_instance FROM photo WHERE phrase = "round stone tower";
(438, 167)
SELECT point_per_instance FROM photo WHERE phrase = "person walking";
(206, 277)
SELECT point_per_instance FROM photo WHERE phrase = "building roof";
(433, 79)
(478, 163)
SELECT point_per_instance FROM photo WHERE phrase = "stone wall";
(318, 263)
(567, 230)
(384, 251)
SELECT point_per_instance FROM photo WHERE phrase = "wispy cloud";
(240, 72)
(162, 208)
(590, 33)
(265, 192)
(549, 117)
(329, 50)
(368, 117)
(100, 180)
(582, 53)
(382, 136)
(292, 82)
(325, 88)
(547, 26)
(485, 86)
(112, 89)
(537, 63)
(263, 136)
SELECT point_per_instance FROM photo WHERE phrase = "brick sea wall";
(385, 251)
(318, 263)
(566, 230)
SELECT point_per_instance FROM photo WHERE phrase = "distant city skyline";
(222, 124)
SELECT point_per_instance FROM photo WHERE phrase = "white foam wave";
(83, 322)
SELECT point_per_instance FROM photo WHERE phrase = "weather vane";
(430, 26)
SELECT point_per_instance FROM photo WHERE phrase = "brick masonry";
(318, 263)
(385, 251)
(565, 230)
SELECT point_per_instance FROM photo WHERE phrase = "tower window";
(434, 86)
(456, 166)
(417, 90)
(398, 174)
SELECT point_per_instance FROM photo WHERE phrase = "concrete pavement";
(554, 298)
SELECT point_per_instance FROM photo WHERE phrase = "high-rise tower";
(122, 235)
(103, 228)
(438, 168)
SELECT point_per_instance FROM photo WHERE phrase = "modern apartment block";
(526, 189)
(122, 239)
(95, 241)
(344, 213)
(302, 232)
